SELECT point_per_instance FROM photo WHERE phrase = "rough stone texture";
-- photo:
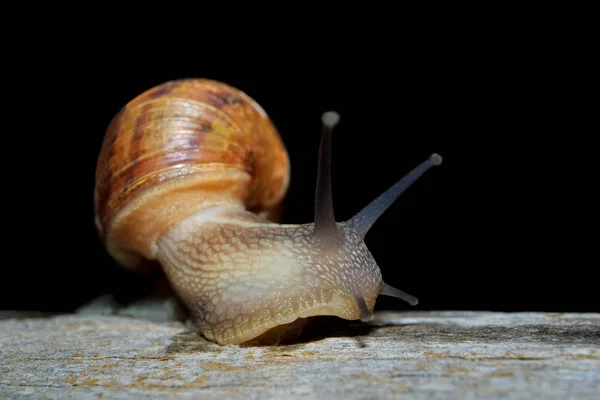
(412, 355)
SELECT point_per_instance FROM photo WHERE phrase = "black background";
(503, 224)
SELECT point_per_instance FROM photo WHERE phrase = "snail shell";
(179, 148)
(191, 177)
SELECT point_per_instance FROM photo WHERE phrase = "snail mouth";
(268, 328)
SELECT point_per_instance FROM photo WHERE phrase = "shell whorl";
(176, 149)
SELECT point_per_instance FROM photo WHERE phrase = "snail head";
(343, 252)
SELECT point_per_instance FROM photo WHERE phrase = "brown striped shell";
(176, 149)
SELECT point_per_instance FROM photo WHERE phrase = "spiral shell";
(179, 148)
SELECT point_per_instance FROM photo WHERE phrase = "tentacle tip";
(330, 119)
(435, 159)
(366, 318)
(388, 290)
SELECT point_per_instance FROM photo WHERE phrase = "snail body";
(191, 177)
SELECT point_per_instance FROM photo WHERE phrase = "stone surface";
(411, 355)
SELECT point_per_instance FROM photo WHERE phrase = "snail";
(191, 178)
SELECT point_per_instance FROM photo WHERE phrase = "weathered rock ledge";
(410, 355)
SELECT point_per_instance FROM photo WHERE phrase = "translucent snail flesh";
(192, 174)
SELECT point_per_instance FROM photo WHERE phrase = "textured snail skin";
(242, 276)
(191, 177)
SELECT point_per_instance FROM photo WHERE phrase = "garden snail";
(192, 174)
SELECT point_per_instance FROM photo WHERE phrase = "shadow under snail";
(192, 175)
